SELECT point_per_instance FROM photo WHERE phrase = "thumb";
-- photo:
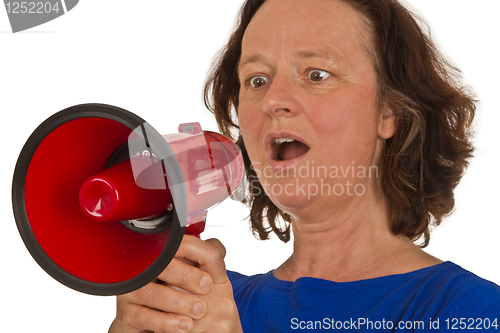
(215, 242)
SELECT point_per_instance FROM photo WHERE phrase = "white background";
(151, 57)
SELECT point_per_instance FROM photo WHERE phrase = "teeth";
(282, 140)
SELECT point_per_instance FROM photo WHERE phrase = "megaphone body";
(102, 200)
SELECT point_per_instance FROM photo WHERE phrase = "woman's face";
(306, 75)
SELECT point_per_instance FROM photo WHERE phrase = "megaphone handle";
(195, 229)
(196, 224)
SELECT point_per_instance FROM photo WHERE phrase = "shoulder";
(457, 293)
(235, 276)
(465, 292)
(458, 281)
(242, 282)
(251, 291)
(461, 300)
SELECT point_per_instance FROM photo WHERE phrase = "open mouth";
(287, 149)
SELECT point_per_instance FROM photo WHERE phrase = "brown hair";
(422, 163)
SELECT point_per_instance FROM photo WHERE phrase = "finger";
(167, 299)
(144, 318)
(215, 242)
(186, 276)
(208, 256)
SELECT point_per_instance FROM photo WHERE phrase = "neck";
(354, 244)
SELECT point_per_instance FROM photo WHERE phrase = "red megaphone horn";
(102, 200)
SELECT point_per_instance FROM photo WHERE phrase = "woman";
(355, 132)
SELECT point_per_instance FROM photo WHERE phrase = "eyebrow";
(252, 60)
(319, 54)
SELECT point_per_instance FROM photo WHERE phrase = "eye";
(257, 81)
(318, 75)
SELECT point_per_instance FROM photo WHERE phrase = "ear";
(387, 124)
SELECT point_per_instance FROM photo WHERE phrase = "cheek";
(246, 122)
(250, 123)
(349, 125)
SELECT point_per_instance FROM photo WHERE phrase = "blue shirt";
(440, 298)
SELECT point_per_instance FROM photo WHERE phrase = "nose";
(281, 98)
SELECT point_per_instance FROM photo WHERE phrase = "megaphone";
(102, 200)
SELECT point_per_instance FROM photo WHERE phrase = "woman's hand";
(186, 298)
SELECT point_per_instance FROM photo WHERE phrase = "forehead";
(299, 25)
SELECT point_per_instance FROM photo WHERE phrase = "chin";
(294, 195)
(289, 203)
(291, 196)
